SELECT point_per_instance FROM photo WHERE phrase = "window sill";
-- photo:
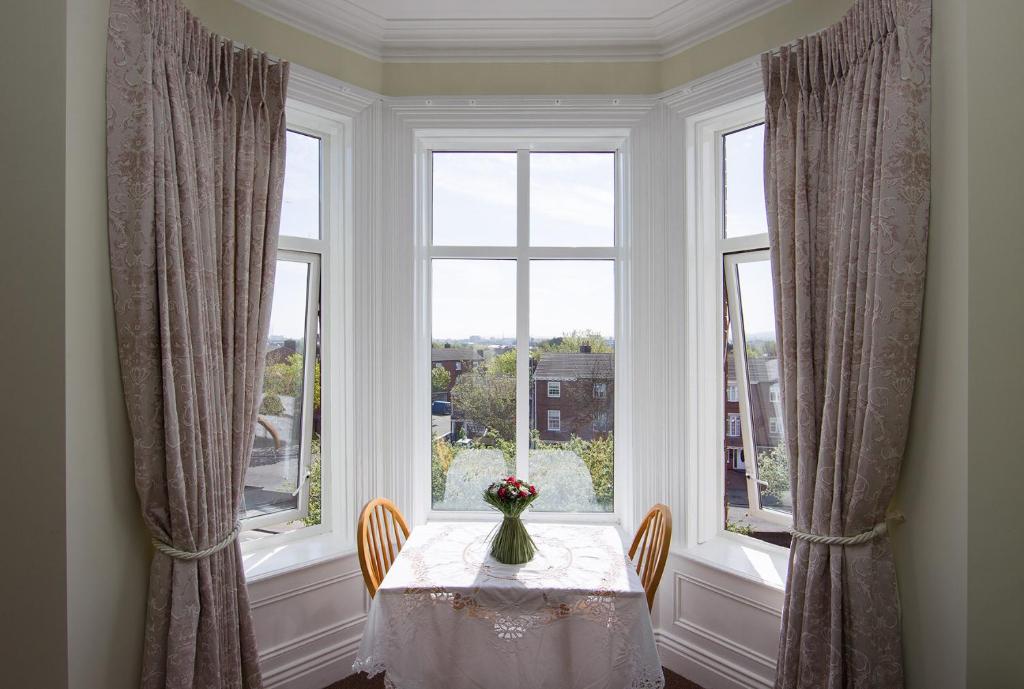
(273, 557)
(749, 558)
(536, 517)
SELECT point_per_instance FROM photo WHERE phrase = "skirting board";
(707, 669)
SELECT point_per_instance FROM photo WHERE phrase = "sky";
(572, 203)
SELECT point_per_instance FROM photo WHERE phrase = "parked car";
(441, 408)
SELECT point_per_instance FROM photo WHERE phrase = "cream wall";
(107, 550)
(32, 452)
(995, 98)
(779, 26)
(931, 547)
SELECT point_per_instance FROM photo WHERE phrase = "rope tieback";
(189, 555)
(879, 529)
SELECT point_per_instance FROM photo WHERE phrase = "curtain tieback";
(879, 529)
(189, 555)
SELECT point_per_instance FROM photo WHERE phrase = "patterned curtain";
(195, 168)
(847, 186)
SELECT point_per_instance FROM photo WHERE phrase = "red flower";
(533, 490)
(501, 492)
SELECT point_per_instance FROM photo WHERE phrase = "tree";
(572, 341)
(773, 469)
(489, 399)
(504, 363)
(440, 379)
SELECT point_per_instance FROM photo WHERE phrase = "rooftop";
(574, 365)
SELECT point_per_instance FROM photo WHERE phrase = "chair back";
(650, 548)
(381, 532)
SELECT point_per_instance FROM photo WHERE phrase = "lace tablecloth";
(448, 616)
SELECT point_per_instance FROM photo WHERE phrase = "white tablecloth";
(447, 616)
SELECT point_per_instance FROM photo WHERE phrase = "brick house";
(574, 394)
(456, 360)
(765, 407)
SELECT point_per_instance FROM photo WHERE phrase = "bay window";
(522, 259)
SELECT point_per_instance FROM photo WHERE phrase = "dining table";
(449, 616)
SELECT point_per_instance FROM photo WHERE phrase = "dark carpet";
(360, 681)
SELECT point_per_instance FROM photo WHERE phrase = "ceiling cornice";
(654, 38)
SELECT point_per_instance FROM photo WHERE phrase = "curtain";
(195, 167)
(847, 186)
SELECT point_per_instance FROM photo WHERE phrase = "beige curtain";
(847, 176)
(195, 166)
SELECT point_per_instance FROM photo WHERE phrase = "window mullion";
(740, 357)
(523, 314)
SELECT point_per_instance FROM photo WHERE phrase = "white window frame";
(712, 254)
(328, 258)
(735, 423)
(523, 142)
(555, 416)
(554, 389)
(732, 392)
(600, 391)
(774, 426)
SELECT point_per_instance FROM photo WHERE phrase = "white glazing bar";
(523, 315)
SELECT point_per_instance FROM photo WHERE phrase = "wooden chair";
(650, 548)
(381, 532)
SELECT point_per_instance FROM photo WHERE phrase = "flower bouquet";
(512, 544)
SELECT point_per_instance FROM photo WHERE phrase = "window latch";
(302, 482)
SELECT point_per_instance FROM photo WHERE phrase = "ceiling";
(514, 30)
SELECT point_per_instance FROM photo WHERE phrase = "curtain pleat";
(847, 187)
(195, 142)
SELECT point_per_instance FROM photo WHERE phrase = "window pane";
(273, 476)
(572, 345)
(572, 199)
(758, 309)
(472, 379)
(300, 210)
(743, 185)
(474, 199)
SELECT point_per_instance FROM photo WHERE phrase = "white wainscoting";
(717, 628)
(309, 623)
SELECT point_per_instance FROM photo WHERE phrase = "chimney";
(585, 349)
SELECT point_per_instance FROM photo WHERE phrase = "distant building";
(765, 409)
(456, 360)
(574, 394)
(280, 353)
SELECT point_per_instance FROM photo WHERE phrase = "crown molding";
(598, 39)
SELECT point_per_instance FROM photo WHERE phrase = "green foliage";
(773, 469)
(504, 363)
(737, 527)
(440, 379)
(762, 349)
(488, 399)
(441, 456)
(315, 485)
(286, 379)
(599, 456)
(271, 405)
(572, 341)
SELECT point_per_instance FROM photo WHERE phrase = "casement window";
(283, 488)
(733, 427)
(734, 344)
(458, 365)
(600, 391)
(522, 254)
(749, 342)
